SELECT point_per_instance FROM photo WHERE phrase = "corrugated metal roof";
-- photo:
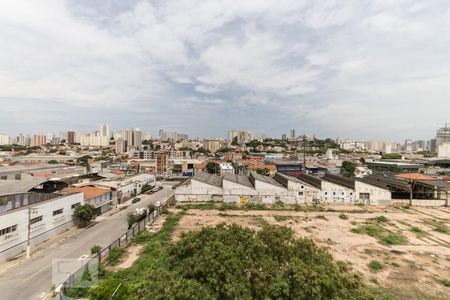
(240, 179)
(208, 178)
(12, 187)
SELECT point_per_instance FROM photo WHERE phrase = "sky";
(364, 69)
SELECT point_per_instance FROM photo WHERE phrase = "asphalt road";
(32, 279)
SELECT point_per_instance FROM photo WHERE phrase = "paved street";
(32, 279)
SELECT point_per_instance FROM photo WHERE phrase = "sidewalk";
(35, 250)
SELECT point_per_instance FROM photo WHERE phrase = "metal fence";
(75, 280)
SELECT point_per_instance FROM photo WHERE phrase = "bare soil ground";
(130, 255)
(415, 269)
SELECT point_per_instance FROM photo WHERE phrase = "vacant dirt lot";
(411, 245)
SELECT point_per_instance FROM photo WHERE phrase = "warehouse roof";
(239, 179)
(267, 179)
(208, 178)
(12, 187)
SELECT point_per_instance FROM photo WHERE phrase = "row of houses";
(307, 189)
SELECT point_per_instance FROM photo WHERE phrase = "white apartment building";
(4, 139)
(444, 150)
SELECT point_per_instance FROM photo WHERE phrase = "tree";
(362, 160)
(85, 214)
(52, 161)
(264, 171)
(213, 167)
(254, 144)
(83, 160)
(146, 187)
(234, 142)
(348, 168)
(232, 262)
(395, 169)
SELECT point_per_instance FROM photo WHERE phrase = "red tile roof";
(415, 176)
(89, 192)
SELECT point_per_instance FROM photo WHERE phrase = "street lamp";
(31, 210)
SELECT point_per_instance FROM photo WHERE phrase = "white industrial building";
(126, 188)
(305, 189)
(50, 214)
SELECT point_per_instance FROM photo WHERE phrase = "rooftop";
(12, 187)
(240, 179)
(263, 178)
(89, 192)
(208, 178)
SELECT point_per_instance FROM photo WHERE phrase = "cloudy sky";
(374, 69)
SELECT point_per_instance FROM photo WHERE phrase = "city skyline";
(359, 70)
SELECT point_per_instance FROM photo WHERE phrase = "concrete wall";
(15, 242)
(334, 193)
(419, 202)
(306, 193)
(377, 195)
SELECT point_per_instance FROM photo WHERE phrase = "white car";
(157, 203)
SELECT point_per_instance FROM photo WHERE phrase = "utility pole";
(304, 152)
(30, 211)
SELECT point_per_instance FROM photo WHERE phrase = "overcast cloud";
(364, 69)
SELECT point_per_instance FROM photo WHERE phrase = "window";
(7, 230)
(364, 196)
(74, 205)
(36, 220)
(3, 177)
(17, 176)
(326, 193)
(300, 193)
(342, 193)
(334, 193)
(302, 187)
(57, 212)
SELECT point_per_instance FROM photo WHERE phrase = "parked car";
(157, 204)
(135, 200)
(158, 188)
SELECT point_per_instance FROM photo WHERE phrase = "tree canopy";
(232, 262)
(85, 214)
(348, 168)
(213, 167)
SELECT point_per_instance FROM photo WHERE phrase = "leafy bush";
(322, 217)
(343, 216)
(375, 265)
(209, 264)
(131, 219)
(106, 288)
(141, 238)
(84, 214)
(115, 255)
(394, 239)
(382, 219)
(446, 282)
(96, 249)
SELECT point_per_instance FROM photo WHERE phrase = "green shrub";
(394, 239)
(96, 249)
(115, 255)
(375, 265)
(105, 288)
(297, 207)
(322, 217)
(382, 219)
(446, 282)
(141, 238)
(343, 216)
